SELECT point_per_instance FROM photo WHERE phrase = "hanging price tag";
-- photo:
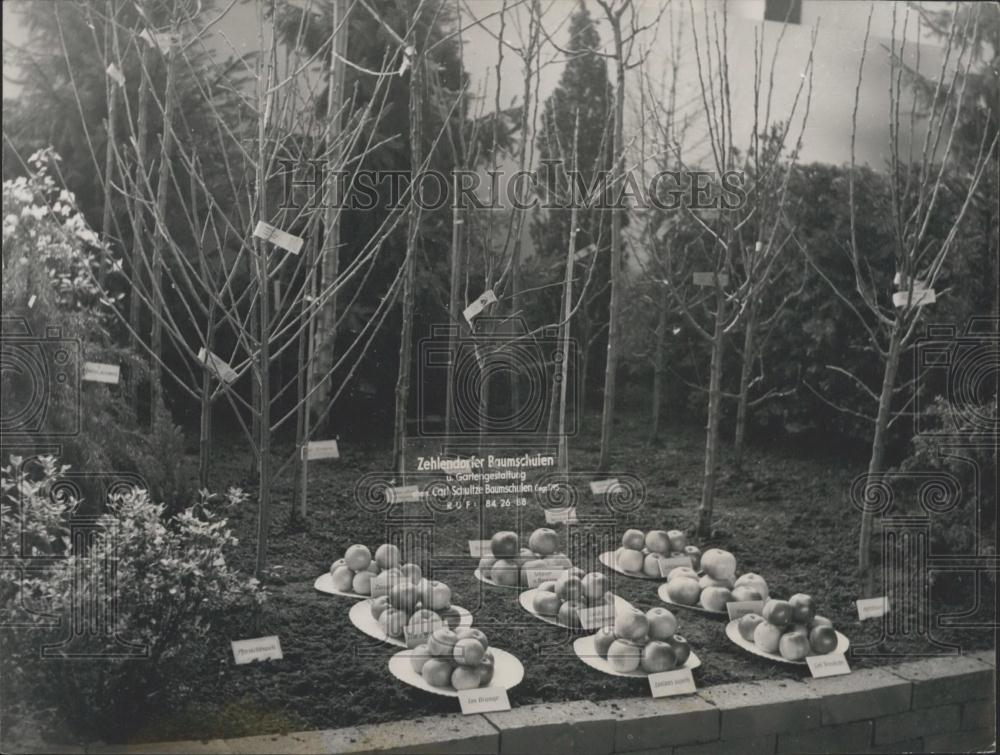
(95, 372)
(670, 683)
(278, 237)
(217, 365)
(486, 298)
(321, 449)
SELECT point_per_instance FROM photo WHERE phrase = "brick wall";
(932, 705)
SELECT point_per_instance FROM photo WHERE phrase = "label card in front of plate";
(418, 635)
(872, 608)
(670, 683)
(566, 516)
(483, 700)
(740, 608)
(261, 649)
(667, 565)
(480, 548)
(831, 664)
(596, 617)
(535, 577)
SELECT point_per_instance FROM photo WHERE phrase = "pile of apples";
(717, 585)
(360, 568)
(459, 659)
(563, 598)
(646, 641)
(790, 628)
(509, 562)
(642, 553)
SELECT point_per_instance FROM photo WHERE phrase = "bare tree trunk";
(138, 249)
(566, 312)
(111, 151)
(746, 369)
(454, 313)
(205, 432)
(658, 370)
(712, 427)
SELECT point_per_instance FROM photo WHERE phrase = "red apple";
(392, 621)
(662, 623)
(543, 541)
(794, 646)
(658, 656)
(411, 572)
(505, 545)
(524, 556)
(357, 557)
(569, 587)
(442, 642)
(387, 556)
(424, 621)
(437, 672)
(403, 596)
(469, 652)
(678, 541)
(777, 612)
(681, 648)
(767, 636)
(602, 641)
(419, 656)
(706, 580)
(651, 564)
(683, 591)
(594, 586)
(631, 624)
(505, 573)
(803, 608)
(817, 620)
(558, 561)
(465, 677)
(682, 571)
(631, 560)
(343, 577)
(548, 585)
(748, 624)
(657, 541)
(486, 565)
(486, 670)
(624, 656)
(744, 593)
(634, 540)
(823, 639)
(719, 564)
(464, 633)
(378, 605)
(434, 595)
(569, 615)
(546, 603)
(374, 568)
(755, 582)
(715, 598)
(694, 553)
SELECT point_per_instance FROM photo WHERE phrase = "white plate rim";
(401, 660)
(586, 644)
(661, 590)
(324, 585)
(527, 596)
(608, 559)
(733, 633)
(361, 617)
(487, 581)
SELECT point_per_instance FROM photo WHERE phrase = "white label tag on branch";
(115, 74)
(602, 487)
(564, 516)
(480, 548)
(278, 237)
(95, 372)
(161, 41)
(486, 298)
(740, 608)
(596, 617)
(217, 365)
(406, 494)
(667, 565)
(483, 700)
(872, 608)
(408, 52)
(535, 577)
(708, 279)
(670, 683)
(831, 664)
(31, 301)
(320, 449)
(585, 252)
(921, 296)
(260, 649)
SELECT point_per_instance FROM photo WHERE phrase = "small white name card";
(320, 449)
(278, 237)
(667, 565)
(480, 548)
(160, 40)
(921, 296)
(831, 664)
(95, 372)
(708, 279)
(483, 700)
(564, 516)
(741, 608)
(115, 74)
(218, 365)
(601, 487)
(419, 635)
(872, 608)
(260, 649)
(407, 494)
(535, 577)
(579, 255)
(486, 298)
(595, 617)
(670, 683)
(31, 301)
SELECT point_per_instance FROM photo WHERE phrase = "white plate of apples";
(637, 644)
(709, 591)
(559, 602)
(507, 564)
(787, 631)
(352, 575)
(640, 553)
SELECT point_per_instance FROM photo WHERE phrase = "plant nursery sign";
(95, 372)
(561, 516)
(872, 608)
(740, 608)
(486, 298)
(260, 649)
(479, 548)
(921, 296)
(831, 664)
(483, 700)
(278, 237)
(320, 449)
(115, 74)
(670, 683)
(667, 565)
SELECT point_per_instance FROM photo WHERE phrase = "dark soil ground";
(788, 517)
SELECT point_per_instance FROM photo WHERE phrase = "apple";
(634, 540)
(714, 598)
(683, 591)
(658, 656)
(419, 656)
(817, 620)
(342, 576)
(755, 582)
(767, 636)
(403, 596)
(486, 564)
(383, 581)
(719, 564)
(624, 656)
(424, 622)
(357, 557)
(362, 583)
(548, 585)
(745, 592)
(374, 568)
(434, 595)
(465, 677)
(469, 652)
(505, 573)
(662, 623)
(486, 670)
(442, 642)
(706, 580)
(524, 556)
(387, 556)
(602, 641)
(505, 545)
(411, 572)
(378, 605)
(678, 541)
(631, 624)
(569, 615)
(436, 672)
(823, 639)
(569, 587)
(657, 541)
(546, 603)
(631, 560)
(535, 563)
(651, 564)
(392, 621)
(777, 612)
(747, 624)
(794, 646)
(594, 586)
(451, 616)
(681, 649)
(543, 541)
(803, 608)
(682, 571)
(694, 553)
(464, 633)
